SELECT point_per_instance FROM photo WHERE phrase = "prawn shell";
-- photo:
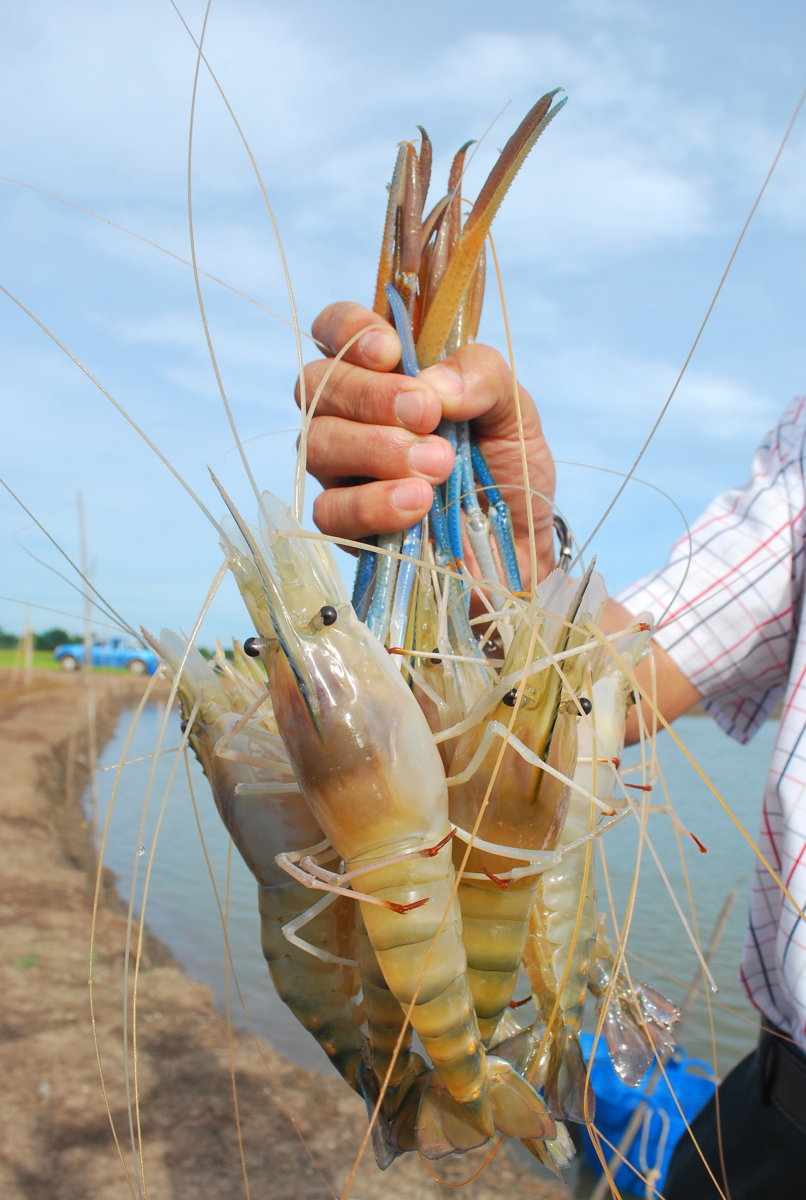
(372, 777)
(368, 767)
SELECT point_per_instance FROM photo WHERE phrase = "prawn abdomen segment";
(422, 958)
(494, 942)
(320, 995)
(384, 1016)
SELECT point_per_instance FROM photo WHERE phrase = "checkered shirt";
(731, 621)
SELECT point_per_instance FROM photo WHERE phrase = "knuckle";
(364, 507)
(323, 513)
(385, 444)
(326, 325)
(312, 374)
(488, 361)
(320, 434)
(335, 512)
(337, 323)
(368, 397)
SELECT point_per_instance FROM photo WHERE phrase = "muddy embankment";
(55, 1137)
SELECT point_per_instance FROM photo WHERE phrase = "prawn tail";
(629, 1048)
(660, 1014)
(446, 1126)
(393, 1132)
(518, 1110)
(567, 1089)
(528, 1051)
(509, 1103)
(408, 1095)
(555, 1153)
(635, 1032)
(382, 1146)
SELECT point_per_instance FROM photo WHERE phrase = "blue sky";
(611, 244)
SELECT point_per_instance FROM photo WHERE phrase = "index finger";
(377, 348)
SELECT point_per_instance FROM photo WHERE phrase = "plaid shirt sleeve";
(728, 607)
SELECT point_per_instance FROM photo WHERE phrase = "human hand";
(371, 442)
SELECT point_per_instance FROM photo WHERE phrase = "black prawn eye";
(585, 705)
(252, 647)
(183, 726)
(510, 698)
(328, 614)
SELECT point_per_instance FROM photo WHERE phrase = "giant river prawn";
(439, 777)
(418, 773)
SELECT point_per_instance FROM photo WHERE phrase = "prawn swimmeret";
(444, 803)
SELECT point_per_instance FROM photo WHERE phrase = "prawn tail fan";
(510, 1105)
(638, 1030)
(567, 1089)
(393, 1132)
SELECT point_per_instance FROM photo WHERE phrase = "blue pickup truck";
(114, 653)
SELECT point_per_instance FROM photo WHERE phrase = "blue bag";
(692, 1082)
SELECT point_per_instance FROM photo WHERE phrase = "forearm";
(675, 693)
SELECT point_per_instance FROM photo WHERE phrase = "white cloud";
(622, 213)
(630, 392)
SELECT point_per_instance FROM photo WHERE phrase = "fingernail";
(409, 408)
(409, 497)
(431, 458)
(377, 345)
(445, 380)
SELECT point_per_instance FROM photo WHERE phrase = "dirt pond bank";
(55, 1138)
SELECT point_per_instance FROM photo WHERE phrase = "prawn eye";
(435, 662)
(183, 726)
(510, 698)
(585, 705)
(328, 614)
(252, 647)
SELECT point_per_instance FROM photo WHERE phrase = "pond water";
(657, 934)
(181, 908)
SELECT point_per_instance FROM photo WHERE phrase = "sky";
(612, 242)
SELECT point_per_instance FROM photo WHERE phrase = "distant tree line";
(48, 640)
(52, 638)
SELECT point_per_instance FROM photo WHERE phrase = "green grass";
(43, 660)
(24, 964)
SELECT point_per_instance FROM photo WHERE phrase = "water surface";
(181, 907)
(657, 935)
